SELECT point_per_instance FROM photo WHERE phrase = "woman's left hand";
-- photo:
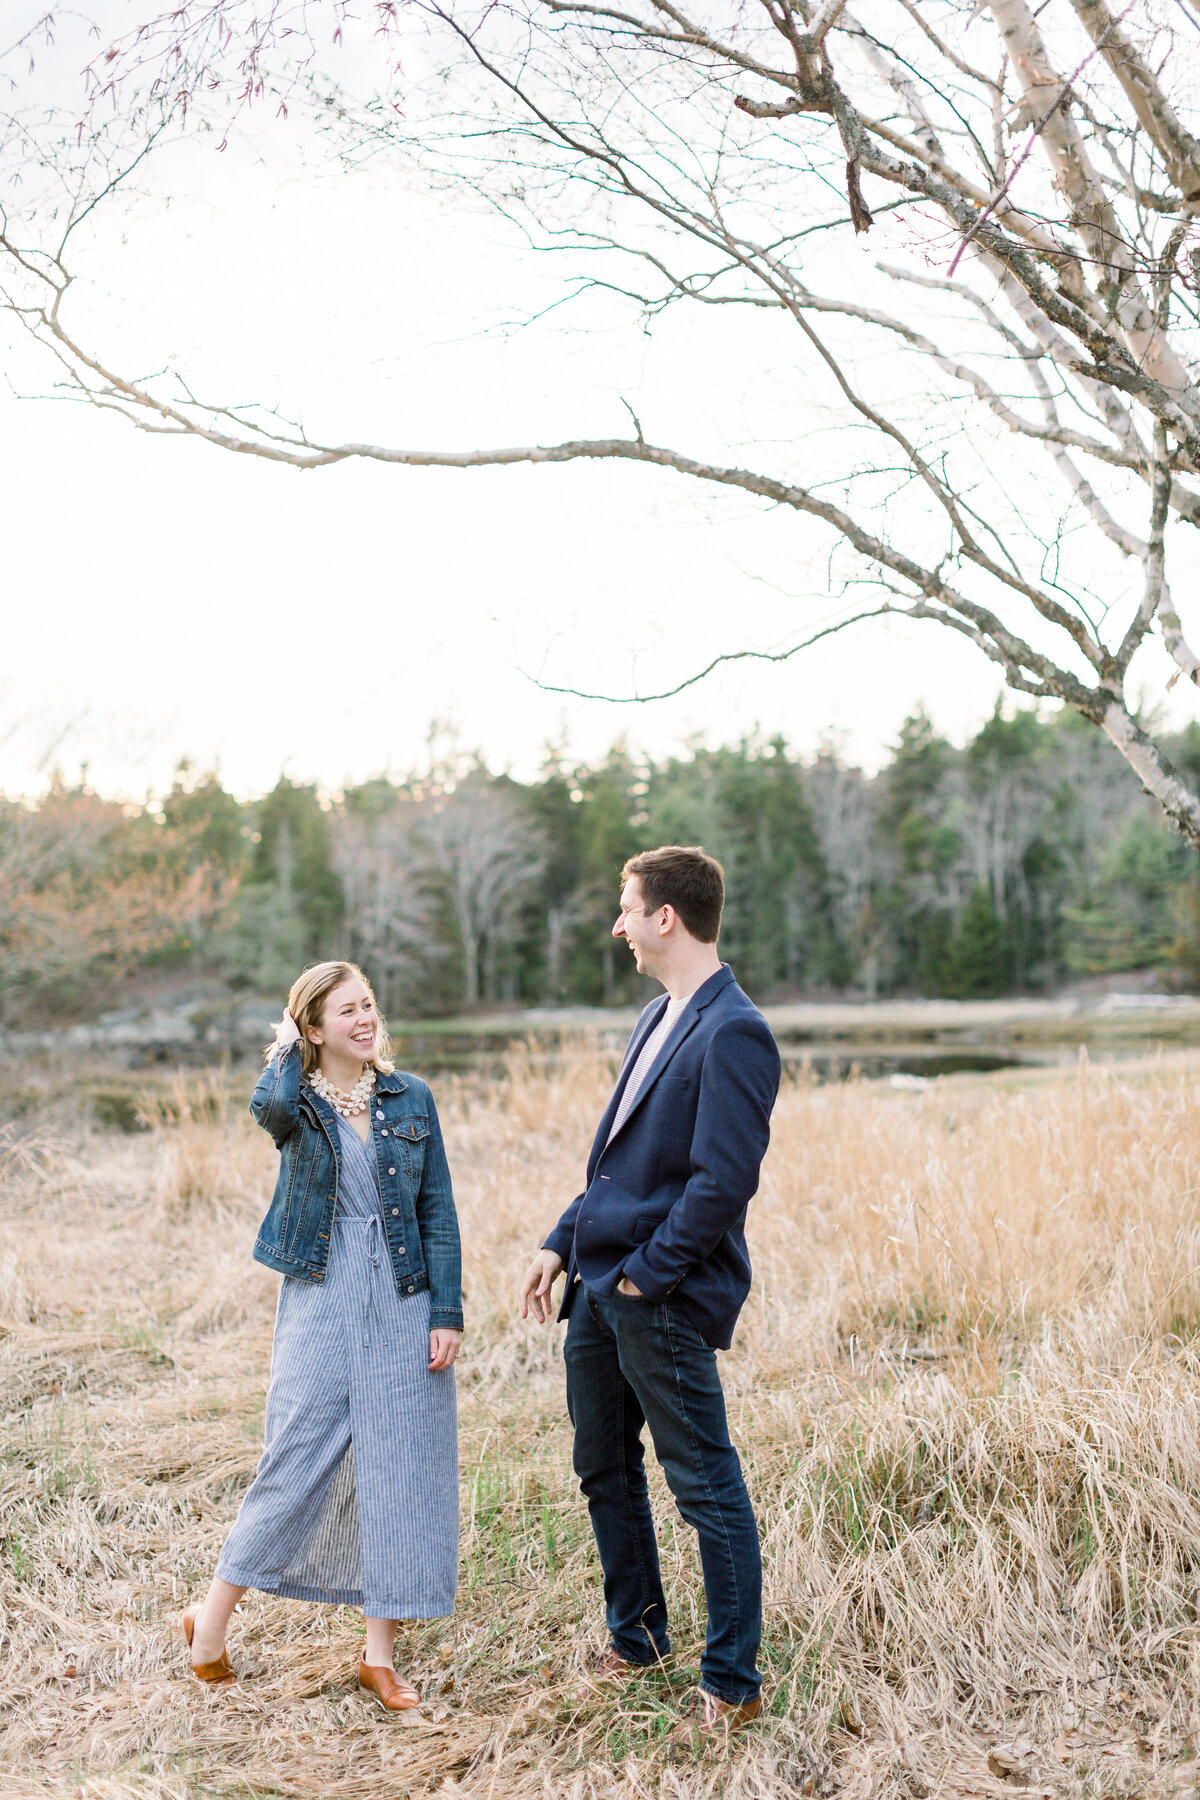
(443, 1348)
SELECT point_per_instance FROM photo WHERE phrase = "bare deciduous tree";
(846, 816)
(68, 917)
(489, 855)
(390, 920)
(1010, 442)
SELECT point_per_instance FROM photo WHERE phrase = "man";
(657, 1272)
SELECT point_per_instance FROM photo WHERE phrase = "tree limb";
(726, 656)
(1179, 149)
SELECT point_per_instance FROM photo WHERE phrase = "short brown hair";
(306, 1003)
(686, 877)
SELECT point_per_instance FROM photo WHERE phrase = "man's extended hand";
(540, 1277)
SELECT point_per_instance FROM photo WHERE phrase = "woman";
(356, 1496)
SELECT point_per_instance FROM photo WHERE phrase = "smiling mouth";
(360, 1037)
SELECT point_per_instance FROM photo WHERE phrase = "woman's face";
(349, 1025)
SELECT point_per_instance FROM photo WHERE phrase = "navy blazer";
(665, 1202)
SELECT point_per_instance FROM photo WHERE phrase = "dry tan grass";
(965, 1388)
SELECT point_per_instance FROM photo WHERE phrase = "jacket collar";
(708, 990)
(704, 995)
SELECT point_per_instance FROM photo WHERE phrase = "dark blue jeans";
(632, 1363)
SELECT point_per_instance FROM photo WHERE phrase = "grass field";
(965, 1389)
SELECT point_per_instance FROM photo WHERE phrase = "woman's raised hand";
(287, 1031)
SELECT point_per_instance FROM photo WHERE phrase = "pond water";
(842, 1062)
(483, 1053)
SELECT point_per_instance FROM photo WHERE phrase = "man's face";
(642, 931)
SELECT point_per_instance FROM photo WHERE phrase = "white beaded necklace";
(356, 1101)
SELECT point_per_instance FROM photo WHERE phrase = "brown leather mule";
(395, 1695)
(213, 1671)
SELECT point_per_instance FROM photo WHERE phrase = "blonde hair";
(306, 1003)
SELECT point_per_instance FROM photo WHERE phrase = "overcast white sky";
(168, 599)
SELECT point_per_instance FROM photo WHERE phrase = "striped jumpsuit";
(356, 1496)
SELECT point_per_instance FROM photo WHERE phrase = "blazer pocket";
(645, 1227)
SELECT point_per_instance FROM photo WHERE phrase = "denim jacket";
(420, 1223)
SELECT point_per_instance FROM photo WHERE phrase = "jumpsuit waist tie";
(373, 1273)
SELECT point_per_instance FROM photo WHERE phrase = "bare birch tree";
(846, 815)
(391, 908)
(489, 855)
(1005, 384)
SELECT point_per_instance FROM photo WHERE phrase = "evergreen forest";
(1022, 861)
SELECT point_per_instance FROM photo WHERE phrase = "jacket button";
(391, 1171)
(395, 1212)
(400, 1250)
(383, 1133)
(379, 1114)
(408, 1290)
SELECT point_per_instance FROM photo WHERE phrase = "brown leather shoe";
(214, 1671)
(609, 1670)
(712, 1721)
(395, 1695)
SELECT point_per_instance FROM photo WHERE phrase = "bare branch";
(1064, 201)
(1157, 117)
(1155, 585)
(1093, 214)
(726, 656)
(964, 68)
(828, 16)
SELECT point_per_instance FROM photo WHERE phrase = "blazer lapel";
(649, 1021)
(687, 1021)
(633, 1050)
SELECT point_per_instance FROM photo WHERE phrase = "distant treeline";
(1027, 858)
